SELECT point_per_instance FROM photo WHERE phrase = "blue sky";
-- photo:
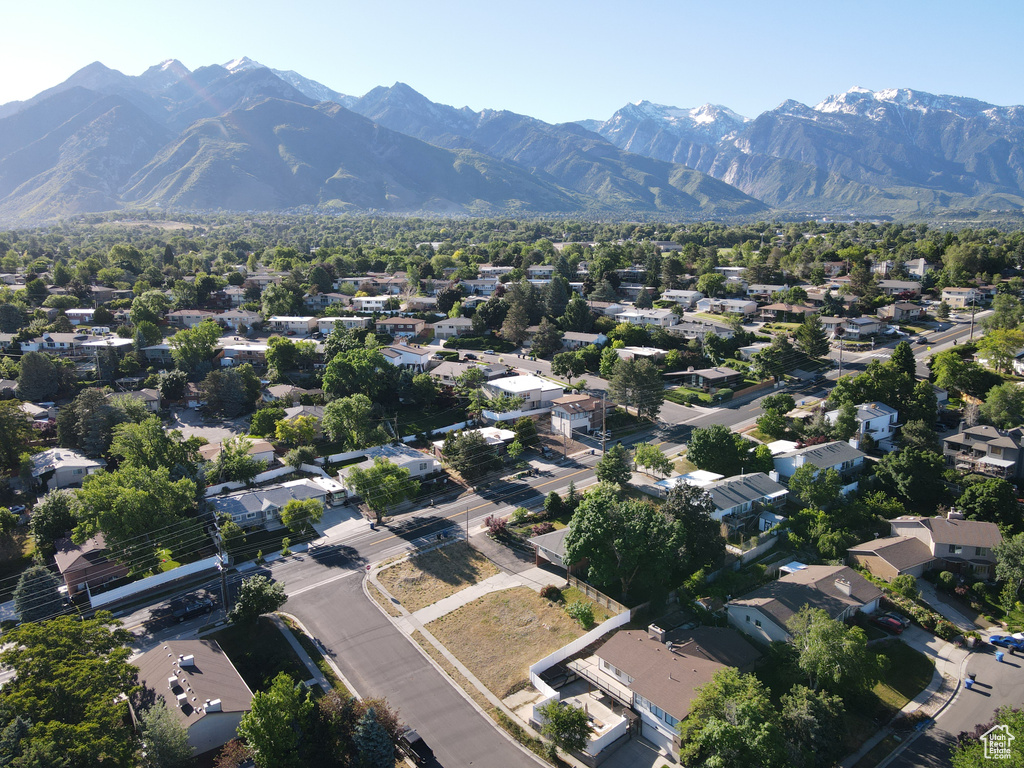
(557, 60)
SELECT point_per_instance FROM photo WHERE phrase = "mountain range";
(245, 137)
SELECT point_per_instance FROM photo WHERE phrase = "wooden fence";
(598, 597)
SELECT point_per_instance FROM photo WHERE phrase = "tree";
(811, 337)
(782, 402)
(992, 501)
(136, 509)
(942, 311)
(577, 317)
(233, 463)
(36, 596)
(513, 329)
(349, 421)
(264, 421)
(774, 361)
(164, 738)
(172, 385)
(905, 584)
(732, 723)
(773, 424)
(920, 435)
(382, 486)
(714, 449)
(650, 457)
(970, 751)
(16, 431)
(557, 298)
(277, 299)
(296, 457)
(257, 595)
(361, 371)
(1004, 406)
(425, 389)
(193, 348)
(604, 291)
(300, 430)
(42, 378)
(627, 541)
(816, 488)
(12, 318)
(1010, 561)
(373, 743)
(88, 423)
(845, 425)
(568, 364)
(469, 454)
(230, 392)
(1007, 313)
(814, 727)
(276, 722)
(761, 460)
(147, 444)
(637, 382)
(711, 283)
(515, 450)
(568, 726)
(547, 340)
(609, 362)
(148, 307)
(696, 536)
(903, 360)
(72, 681)
(832, 654)
(300, 514)
(282, 356)
(999, 347)
(526, 431)
(614, 466)
(911, 474)
(53, 518)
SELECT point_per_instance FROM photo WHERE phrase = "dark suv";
(189, 607)
(413, 746)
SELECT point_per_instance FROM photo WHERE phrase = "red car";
(889, 624)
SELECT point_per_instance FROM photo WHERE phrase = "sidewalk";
(446, 605)
(949, 664)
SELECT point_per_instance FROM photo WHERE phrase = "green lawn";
(908, 674)
(268, 542)
(167, 562)
(260, 653)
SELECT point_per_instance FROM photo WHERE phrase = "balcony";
(968, 461)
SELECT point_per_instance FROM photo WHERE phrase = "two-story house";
(401, 327)
(877, 420)
(292, 326)
(986, 450)
(662, 318)
(538, 396)
(576, 414)
(837, 455)
(452, 327)
(683, 298)
(901, 311)
(861, 327)
(961, 298)
(411, 358)
(188, 318)
(727, 306)
(836, 589)
(921, 543)
(369, 303)
(236, 318)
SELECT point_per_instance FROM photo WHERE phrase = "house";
(80, 316)
(86, 566)
(861, 327)
(411, 358)
(685, 299)
(918, 268)
(59, 344)
(540, 272)
(369, 303)
(264, 278)
(700, 478)
(418, 463)
(348, 322)
(401, 327)
(876, 420)
(550, 548)
(483, 287)
(188, 318)
(837, 455)
(903, 288)
(159, 354)
(727, 306)
(576, 340)
(492, 270)
(738, 498)
(576, 413)
(538, 395)
(659, 680)
(783, 311)
(833, 326)
(420, 304)
(748, 352)
(116, 343)
(763, 292)
(260, 450)
(287, 392)
(901, 311)
(292, 326)
(961, 298)
(202, 689)
(63, 467)
(986, 450)
(493, 436)
(236, 353)
(236, 318)
(450, 371)
(321, 301)
(698, 329)
(710, 379)
(150, 397)
(733, 274)
(958, 545)
(892, 556)
(655, 354)
(836, 589)
(263, 505)
(235, 295)
(452, 327)
(662, 318)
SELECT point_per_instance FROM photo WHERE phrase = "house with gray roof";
(736, 499)
(876, 420)
(836, 589)
(983, 449)
(263, 505)
(837, 455)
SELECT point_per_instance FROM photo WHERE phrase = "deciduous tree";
(567, 726)
(276, 723)
(382, 486)
(257, 595)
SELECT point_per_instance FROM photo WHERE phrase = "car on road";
(189, 607)
(489, 352)
(414, 747)
(889, 624)
(1014, 641)
(469, 356)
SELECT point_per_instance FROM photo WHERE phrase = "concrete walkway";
(448, 604)
(316, 676)
(949, 663)
(931, 595)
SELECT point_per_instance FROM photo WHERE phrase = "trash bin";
(968, 683)
(972, 675)
(999, 656)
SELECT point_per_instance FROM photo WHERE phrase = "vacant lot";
(424, 579)
(500, 635)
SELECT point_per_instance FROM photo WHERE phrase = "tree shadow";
(335, 556)
(457, 565)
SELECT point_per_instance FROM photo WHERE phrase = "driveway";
(191, 423)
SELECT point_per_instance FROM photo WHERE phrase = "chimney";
(844, 586)
(773, 475)
(954, 514)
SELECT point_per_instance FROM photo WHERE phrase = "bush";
(947, 581)
(520, 515)
(480, 343)
(581, 613)
(541, 529)
(905, 585)
(723, 394)
(552, 593)
(496, 526)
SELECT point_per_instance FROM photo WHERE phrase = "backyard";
(501, 634)
(424, 579)
(259, 652)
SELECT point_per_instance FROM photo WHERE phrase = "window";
(423, 466)
(757, 622)
(747, 617)
(955, 549)
(77, 471)
(980, 551)
(250, 515)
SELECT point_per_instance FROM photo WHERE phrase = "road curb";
(330, 662)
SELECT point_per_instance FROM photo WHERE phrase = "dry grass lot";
(500, 635)
(424, 579)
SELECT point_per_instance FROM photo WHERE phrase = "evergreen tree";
(811, 338)
(577, 316)
(547, 340)
(373, 744)
(643, 300)
(614, 466)
(557, 296)
(36, 597)
(516, 322)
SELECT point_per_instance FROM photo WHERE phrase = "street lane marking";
(322, 583)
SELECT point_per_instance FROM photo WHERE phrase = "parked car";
(899, 617)
(489, 352)
(1014, 641)
(889, 624)
(469, 356)
(413, 746)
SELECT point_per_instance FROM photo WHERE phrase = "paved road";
(997, 685)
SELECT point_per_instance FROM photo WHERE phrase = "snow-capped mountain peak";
(242, 64)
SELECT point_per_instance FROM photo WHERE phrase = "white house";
(685, 299)
(576, 340)
(727, 306)
(418, 463)
(539, 395)
(68, 467)
(861, 327)
(837, 455)
(575, 413)
(961, 298)
(875, 419)
(836, 589)
(452, 327)
(540, 272)
(328, 324)
(369, 303)
(744, 494)
(236, 318)
(298, 326)
(663, 318)
(404, 356)
(80, 316)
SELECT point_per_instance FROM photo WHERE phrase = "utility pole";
(604, 416)
(972, 316)
(222, 562)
